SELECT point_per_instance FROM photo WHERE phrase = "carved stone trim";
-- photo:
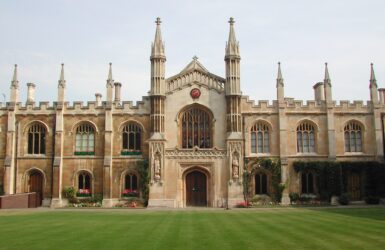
(195, 154)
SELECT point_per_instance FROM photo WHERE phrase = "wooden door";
(36, 185)
(354, 186)
(196, 189)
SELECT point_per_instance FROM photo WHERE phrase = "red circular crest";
(195, 93)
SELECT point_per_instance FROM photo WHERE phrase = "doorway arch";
(196, 188)
(36, 184)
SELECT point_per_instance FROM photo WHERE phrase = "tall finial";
(232, 32)
(15, 82)
(232, 46)
(327, 76)
(62, 72)
(110, 73)
(158, 21)
(372, 75)
(279, 77)
(231, 21)
(157, 46)
(62, 81)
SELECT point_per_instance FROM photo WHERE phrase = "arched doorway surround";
(196, 187)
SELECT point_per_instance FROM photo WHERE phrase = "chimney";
(98, 99)
(31, 92)
(118, 86)
(382, 95)
(319, 93)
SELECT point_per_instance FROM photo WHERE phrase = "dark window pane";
(88, 181)
(42, 143)
(258, 184)
(131, 138)
(304, 183)
(134, 182)
(36, 143)
(137, 141)
(81, 186)
(127, 184)
(310, 183)
(264, 184)
(30, 143)
(125, 141)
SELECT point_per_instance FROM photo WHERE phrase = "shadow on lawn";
(374, 213)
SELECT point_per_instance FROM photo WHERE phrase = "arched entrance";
(196, 189)
(35, 184)
(354, 186)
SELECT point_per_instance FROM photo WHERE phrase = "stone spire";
(280, 85)
(232, 59)
(157, 49)
(232, 45)
(373, 85)
(61, 85)
(15, 82)
(110, 84)
(327, 85)
(158, 63)
(373, 80)
(62, 81)
(327, 76)
(279, 75)
(14, 87)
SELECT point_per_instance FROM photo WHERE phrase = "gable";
(195, 73)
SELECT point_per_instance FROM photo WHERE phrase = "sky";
(86, 35)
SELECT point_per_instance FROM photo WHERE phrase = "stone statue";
(235, 167)
(157, 168)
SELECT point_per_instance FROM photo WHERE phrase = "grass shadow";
(367, 212)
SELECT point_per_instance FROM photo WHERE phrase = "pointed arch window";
(84, 184)
(260, 138)
(85, 140)
(131, 185)
(261, 183)
(132, 138)
(305, 138)
(196, 128)
(353, 137)
(36, 139)
(307, 183)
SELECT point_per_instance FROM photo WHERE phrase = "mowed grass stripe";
(290, 239)
(315, 231)
(351, 231)
(337, 230)
(198, 229)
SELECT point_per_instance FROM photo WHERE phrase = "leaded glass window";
(305, 138)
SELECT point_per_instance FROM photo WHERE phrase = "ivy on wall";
(271, 165)
(144, 175)
(332, 177)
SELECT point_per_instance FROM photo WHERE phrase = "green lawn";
(277, 228)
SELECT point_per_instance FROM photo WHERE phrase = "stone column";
(107, 169)
(10, 150)
(57, 172)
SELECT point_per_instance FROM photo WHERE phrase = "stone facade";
(228, 145)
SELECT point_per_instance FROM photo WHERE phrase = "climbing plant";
(271, 165)
(143, 170)
(331, 176)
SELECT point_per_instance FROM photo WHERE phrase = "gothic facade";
(196, 129)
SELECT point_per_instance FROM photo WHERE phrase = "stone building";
(196, 129)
